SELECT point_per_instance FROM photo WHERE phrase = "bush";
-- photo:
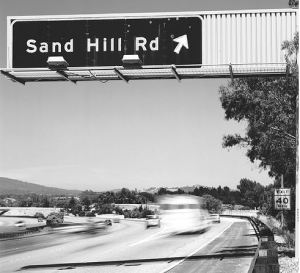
(75, 212)
(275, 226)
(289, 239)
(90, 214)
(135, 214)
(54, 219)
(271, 223)
(146, 212)
(39, 215)
(81, 213)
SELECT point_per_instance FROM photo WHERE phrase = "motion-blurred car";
(215, 218)
(183, 214)
(152, 221)
(108, 222)
(116, 219)
(71, 228)
(90, 226)
(20, 224)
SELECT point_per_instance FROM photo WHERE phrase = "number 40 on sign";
(282, 198)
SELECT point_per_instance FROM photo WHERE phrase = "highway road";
(129, 247)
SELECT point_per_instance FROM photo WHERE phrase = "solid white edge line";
(176, 264)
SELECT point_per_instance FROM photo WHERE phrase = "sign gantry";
(163, 46)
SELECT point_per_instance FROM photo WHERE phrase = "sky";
(96, 136)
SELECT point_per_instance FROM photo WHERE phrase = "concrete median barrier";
(267, 259)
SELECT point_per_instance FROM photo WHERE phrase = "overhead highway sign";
(181, 45)
(104, 42)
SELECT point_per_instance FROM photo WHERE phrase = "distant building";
(9, 201)
(61, 198)
(172, 189)
(226, 206)
(151, 190)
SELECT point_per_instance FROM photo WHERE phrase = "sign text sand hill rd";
(103, 42)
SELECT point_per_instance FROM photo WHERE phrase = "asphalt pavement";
(129, 247)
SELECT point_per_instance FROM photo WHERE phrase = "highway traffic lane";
(22, 244)
(232, 252)
(183, 246)
(145, 251)
(60, 246)
(33, 241)
(158, 253)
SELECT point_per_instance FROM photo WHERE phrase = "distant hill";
(12, 186)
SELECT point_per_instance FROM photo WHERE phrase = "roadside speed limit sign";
(282, 199)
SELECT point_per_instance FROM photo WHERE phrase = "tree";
(250, 193)
(212, 204)
(118, 210)
(293, 3)
(72, 202)
(266, 201)
(86, 202)
(39, 215)
(268, 105)
(106, 209)
(269, 108)
(135, 213)
(45, 202)
(148, 196)
(76, 209)
(91, 195)
(90, 214)
(81, 213)
(146, 212)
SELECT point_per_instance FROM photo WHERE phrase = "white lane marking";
(179, 262)
(150, 238)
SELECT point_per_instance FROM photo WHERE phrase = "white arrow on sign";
(182, 41)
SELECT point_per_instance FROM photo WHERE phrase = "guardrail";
(266, 256)
(21, 232)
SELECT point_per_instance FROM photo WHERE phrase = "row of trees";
(32, 200)
(248, 194)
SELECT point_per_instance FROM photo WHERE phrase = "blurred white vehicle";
(20, 224)
(152, 221)
(215, 218)
(183, 214)
(90, 226)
